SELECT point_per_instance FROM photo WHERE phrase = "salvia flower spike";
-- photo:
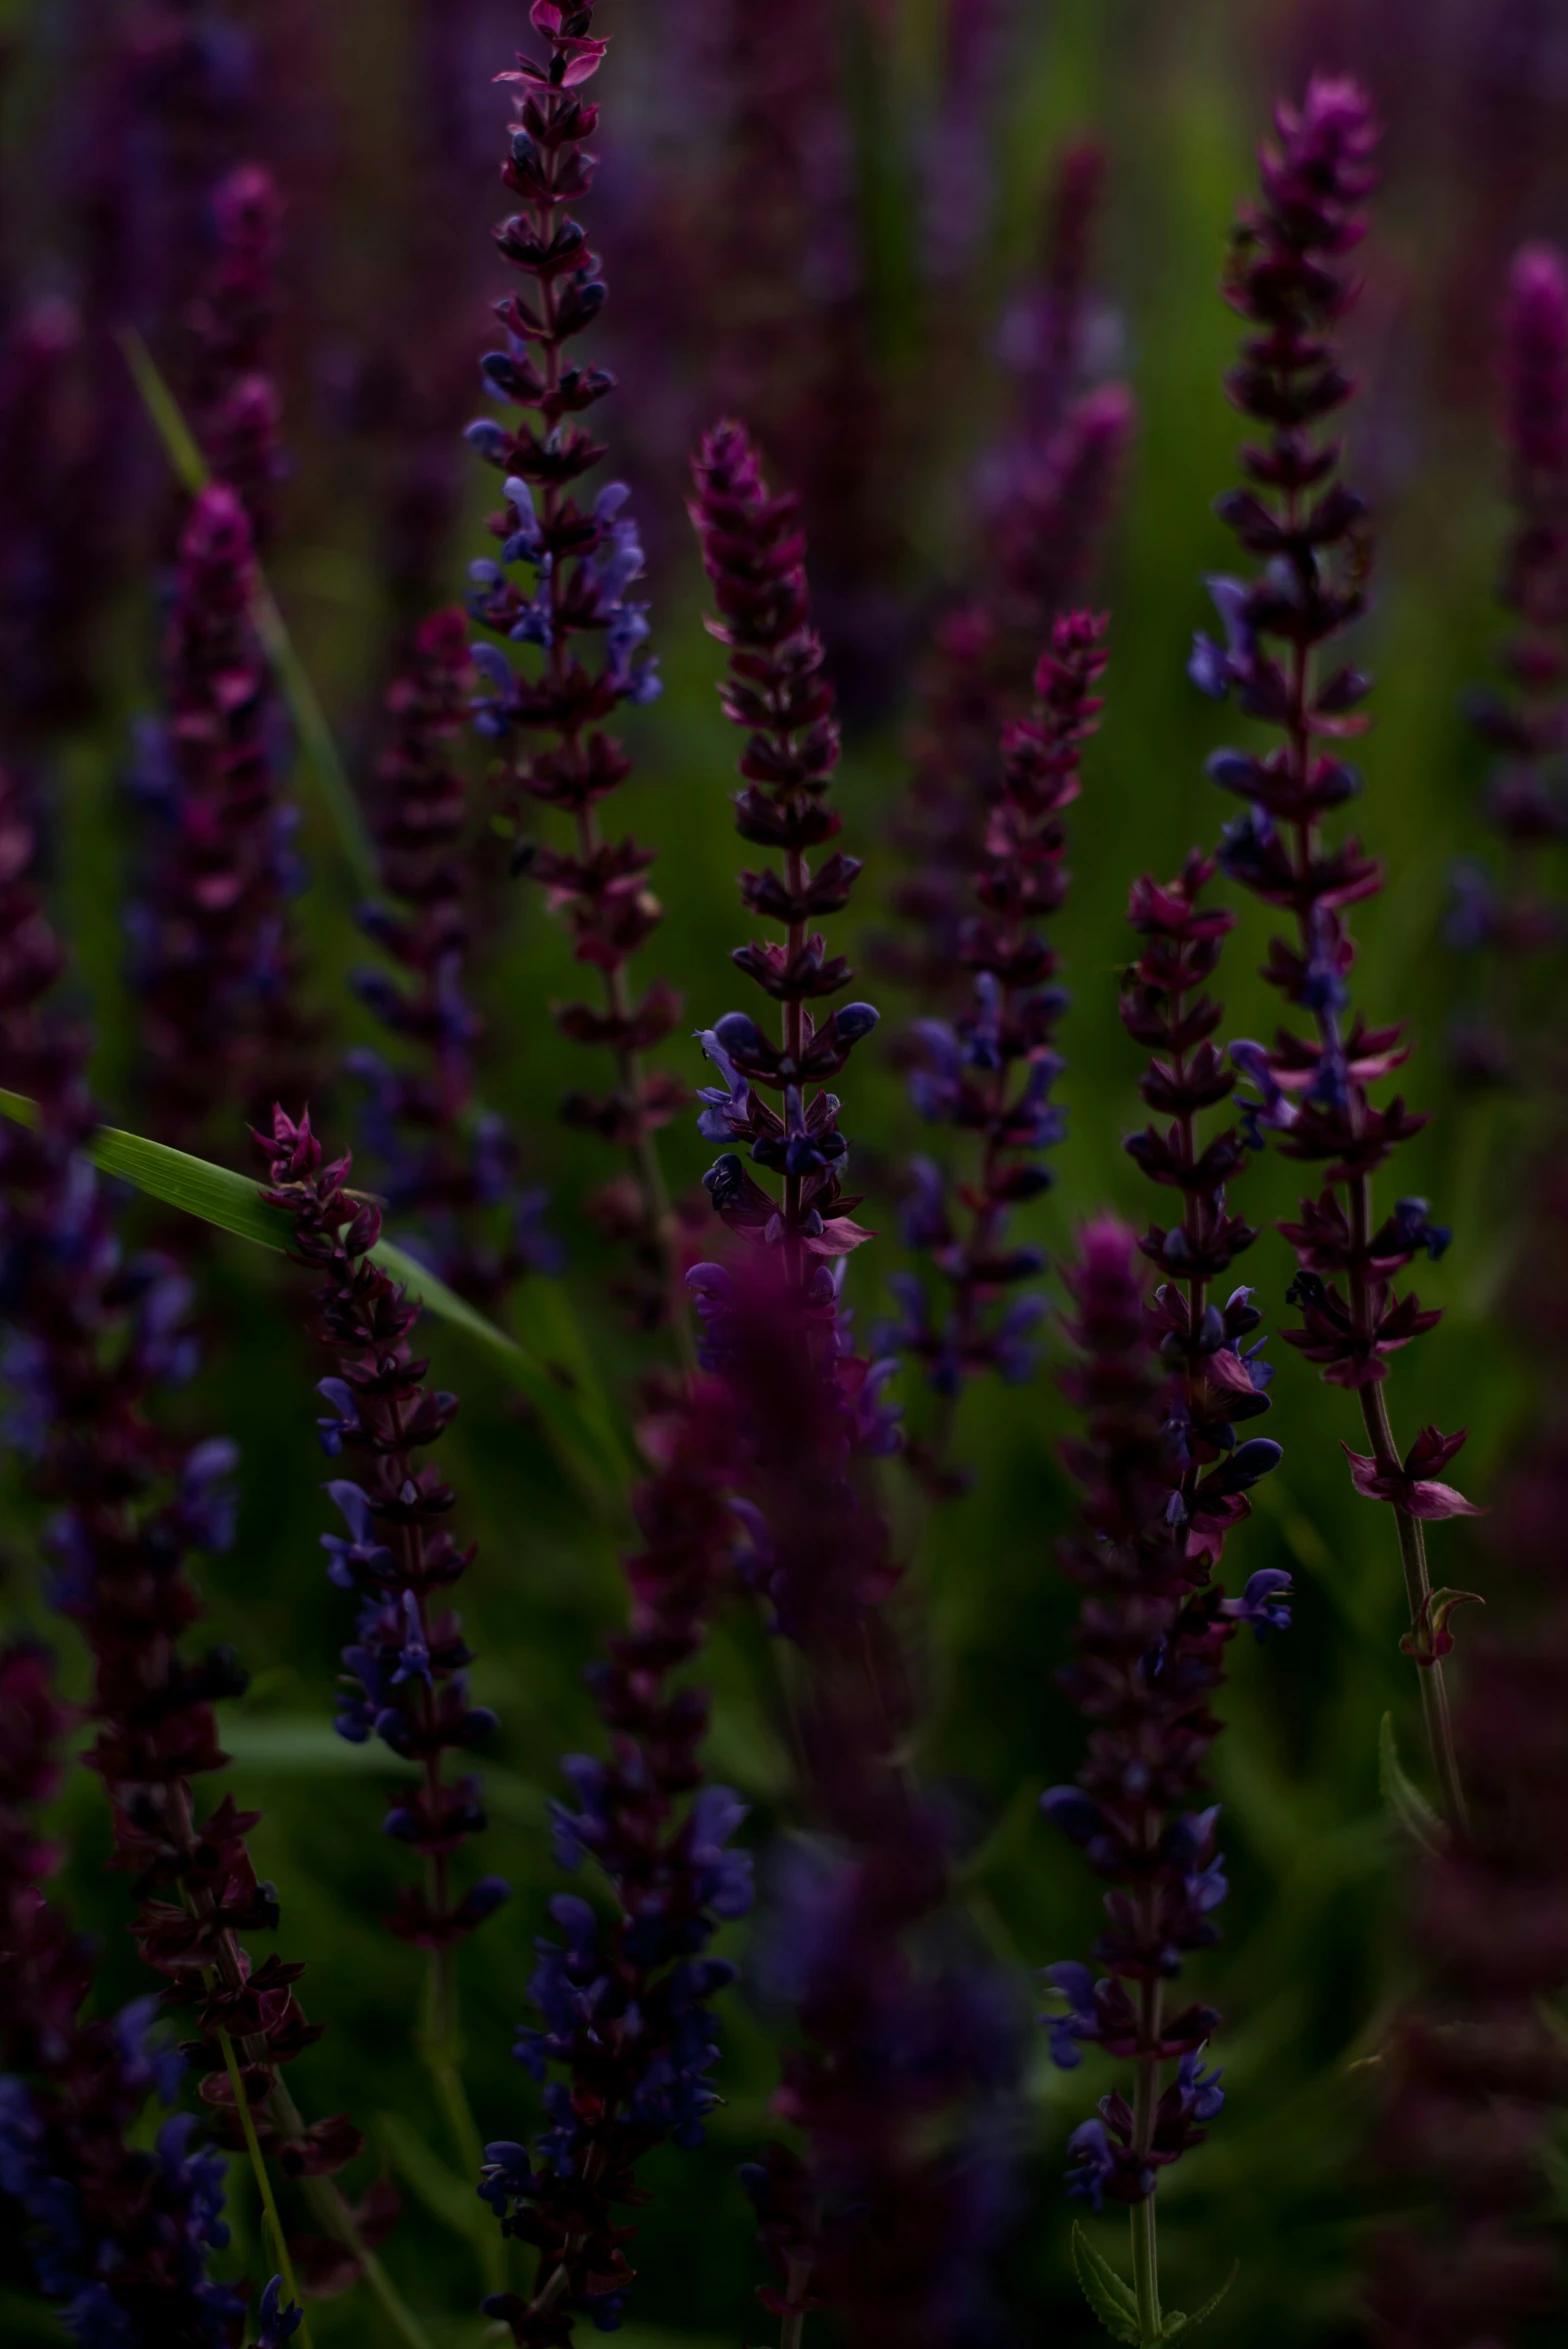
(754, 550)
(119, 2232)
(1511, 912)
(624, 2038)
(406, 1667)
(95, 1338)
(447, 1168)
(212, 957)
(904, 2081)
(1289, 278)
(1150, 1643)
(234, 402)
(581, 564)
(990, 1071)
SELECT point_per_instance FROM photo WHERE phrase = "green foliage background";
(1312, 1955)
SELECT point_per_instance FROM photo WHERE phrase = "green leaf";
(1177, 2323)
(1406, 1803)
(310, 719)
(1112, 2300)
(579, 1424)
(300, 1746)
(448, 2197)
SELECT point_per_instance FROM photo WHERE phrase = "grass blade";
(578, 1423)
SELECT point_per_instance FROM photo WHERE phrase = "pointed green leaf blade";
(446, 2196)
(580, 1426)
(1406, 1803)
(1177, 2323)
(1112, 2300)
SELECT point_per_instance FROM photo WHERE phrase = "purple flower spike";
(578, 563)
(99, 1338)
(448, 1169)
(1289, 278)
(408, 1659)
(212, 954)
(625, 2040)
(1518, 913)
(990, 1072)
(754, 553)
(1153, 1517)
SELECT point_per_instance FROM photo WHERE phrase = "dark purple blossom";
(233, 394)
(1163, 1480)
(447, 1167)
(408, 1680)
(754, 552)
(96, 1338)
(579, 565)
(1515, 914)
(1307, 531)
(119, 2232)
(624, 2040)
(990, 1071)
(1043, 503)
(212, 957)
(904, 2078)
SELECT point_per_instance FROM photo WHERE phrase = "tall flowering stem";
(1150, 1656)
(212, 958)
(754, 552)
(1287, 278)
(94, 1338)
(1512, 913)
(583, 560)
(234, 403)
(446, 1168)
(406, 1681)
(121, 2233)
(1043, 500)
(624, 2037)
(903, 2076)
(990, 1072)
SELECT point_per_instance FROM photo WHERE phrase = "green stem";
(1418, 1589)
(247, 2121)
(339, 2221)
(1146, 2270)
(443, 2060)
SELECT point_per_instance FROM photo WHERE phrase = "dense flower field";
(781, 806)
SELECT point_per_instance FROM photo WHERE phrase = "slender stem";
(1146, 2092)
(1418, 1590)
(327, 2201)
(794, 2324)
(1146, 2269)
(247, 2121)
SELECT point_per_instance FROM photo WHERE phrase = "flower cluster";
(212, 959)
(754, 552)
(991, 1071)
(583, 561)
(1164, 1007)
(623, 2004)
(233, 394)
(1313, 1089)
(1150, 1653)
(118, 2231)
(1045, 499)
(408, 1682)
(93, 1339)
(1511, 913)
(903, 2081)
(447, 1169)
